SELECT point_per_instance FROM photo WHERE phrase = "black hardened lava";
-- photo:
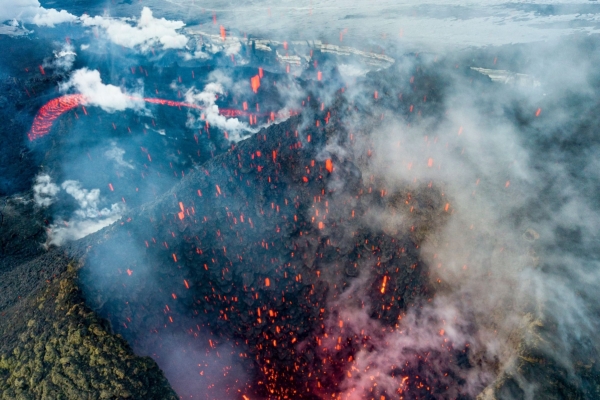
(248, 248)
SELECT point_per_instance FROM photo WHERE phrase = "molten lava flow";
(53, 109)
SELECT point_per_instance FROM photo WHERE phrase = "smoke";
(196, 55)
(458, 25)
(106, 96)
(233, 48)
(31, 12)
(67, 231)
(90, 217)
(63, 59)
(147, 32)
(44, 191)
(214, 373)
(116, 153)
(87, 200)
(51, 17)
(513, 265)
(236, 130)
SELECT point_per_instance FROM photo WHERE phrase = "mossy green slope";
(64, 351)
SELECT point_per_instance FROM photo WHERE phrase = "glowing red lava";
(53, 109)
(50, 112)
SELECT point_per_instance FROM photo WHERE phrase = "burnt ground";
(249, 248)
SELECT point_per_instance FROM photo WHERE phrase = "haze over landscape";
(299, 200)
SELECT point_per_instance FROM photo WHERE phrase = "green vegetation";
(64, 351)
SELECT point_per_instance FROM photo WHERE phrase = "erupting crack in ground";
(52, 110)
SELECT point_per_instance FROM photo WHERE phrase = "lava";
(53, 109)
(50, 112)
(255, 83)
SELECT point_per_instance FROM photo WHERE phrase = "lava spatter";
(251, 251)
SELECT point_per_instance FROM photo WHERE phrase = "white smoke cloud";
(88, 201)
(196, 55)
(116, 153)
(30, 11)
(351, 71)
(44, 191)
(207, 98)
(233, 48)
(147, 32)
(89, 218)
(63, 59)
(51, 17)
(63, 231)
(109, 97)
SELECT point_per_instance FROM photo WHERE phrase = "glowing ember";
(181, 214)
(255, 83)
